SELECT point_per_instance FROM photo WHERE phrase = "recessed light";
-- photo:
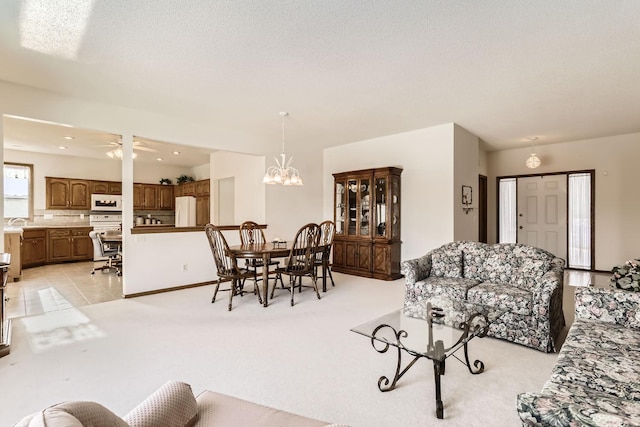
(62, 147)
(159, 159)
(176, 152)
(68, 137)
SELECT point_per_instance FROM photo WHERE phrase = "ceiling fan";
(116, 151)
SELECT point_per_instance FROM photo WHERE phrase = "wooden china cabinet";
(367, 217)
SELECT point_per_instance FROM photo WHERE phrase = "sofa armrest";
(608, 305)
(173, 404)
(544, 287)
(417, 269)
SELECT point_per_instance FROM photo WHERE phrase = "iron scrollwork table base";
(435, 351)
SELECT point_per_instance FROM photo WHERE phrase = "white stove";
(102, 222)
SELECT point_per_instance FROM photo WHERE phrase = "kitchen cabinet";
(66, 193)
(202, 210)
(34, 247)
(115, 187)
(149, 198)
(367, 217)
(202, 187)
(13, 246)
(202, 190)
(165, 196)
(106, 187)
(189, 188)
(153, 197)
(69, 244)
(144, 196)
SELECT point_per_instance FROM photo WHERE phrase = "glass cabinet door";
(395, 207)
(340, 208)
(352, 207)
(380, 206)
(365, 207)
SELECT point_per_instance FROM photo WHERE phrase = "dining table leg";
(265, 279)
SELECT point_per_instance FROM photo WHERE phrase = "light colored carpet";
(302, 359)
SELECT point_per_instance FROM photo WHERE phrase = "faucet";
(12, 221)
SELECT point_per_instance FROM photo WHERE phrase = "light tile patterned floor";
(60, 286)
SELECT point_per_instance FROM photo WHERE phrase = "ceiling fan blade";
(143, 148)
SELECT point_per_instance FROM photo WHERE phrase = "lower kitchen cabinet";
(34, 248)
(69, 244)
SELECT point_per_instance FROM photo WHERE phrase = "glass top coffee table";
(434, 329)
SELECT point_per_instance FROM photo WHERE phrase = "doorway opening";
(552, 211)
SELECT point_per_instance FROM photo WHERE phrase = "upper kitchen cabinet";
(165, 197)
(203, 187)
(188, 188)
(153, 197)
(144, 196)
(66, 193)
(106, 187)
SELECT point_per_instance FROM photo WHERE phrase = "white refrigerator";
(185, 211)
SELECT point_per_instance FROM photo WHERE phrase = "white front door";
(542, 213)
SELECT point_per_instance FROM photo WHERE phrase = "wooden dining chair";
(301, 260)
(322, 260)
(227, 266)
(251, 234)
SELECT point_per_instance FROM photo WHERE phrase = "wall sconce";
(467, 198)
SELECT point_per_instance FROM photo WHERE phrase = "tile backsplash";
(48, 217)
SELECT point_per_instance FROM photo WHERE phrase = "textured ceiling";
(345, 70)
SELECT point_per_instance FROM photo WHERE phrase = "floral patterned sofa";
(525, 280)
(595, 381)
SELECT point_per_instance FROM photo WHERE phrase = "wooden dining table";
(266, 251)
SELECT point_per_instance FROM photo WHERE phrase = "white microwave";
(106, 202)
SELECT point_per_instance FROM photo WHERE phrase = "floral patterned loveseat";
(595, 381)
(525, 280)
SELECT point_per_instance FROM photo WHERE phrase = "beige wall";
(247, 172)
(617, 206)
(429, 195)
(466, 149)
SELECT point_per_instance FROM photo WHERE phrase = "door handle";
(520, 227)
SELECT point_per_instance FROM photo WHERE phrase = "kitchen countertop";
(41, 227)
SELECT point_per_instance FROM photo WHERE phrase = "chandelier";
(117, 154)
(533, 161)
(283, 173)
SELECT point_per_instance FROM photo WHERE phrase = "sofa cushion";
(173, 404)
(506, 297)
(445, 286)
(221, 410)
(446, 263)
(473, 262)
(529, 271)
(499, 265)
(598, 357)
(73, 414)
